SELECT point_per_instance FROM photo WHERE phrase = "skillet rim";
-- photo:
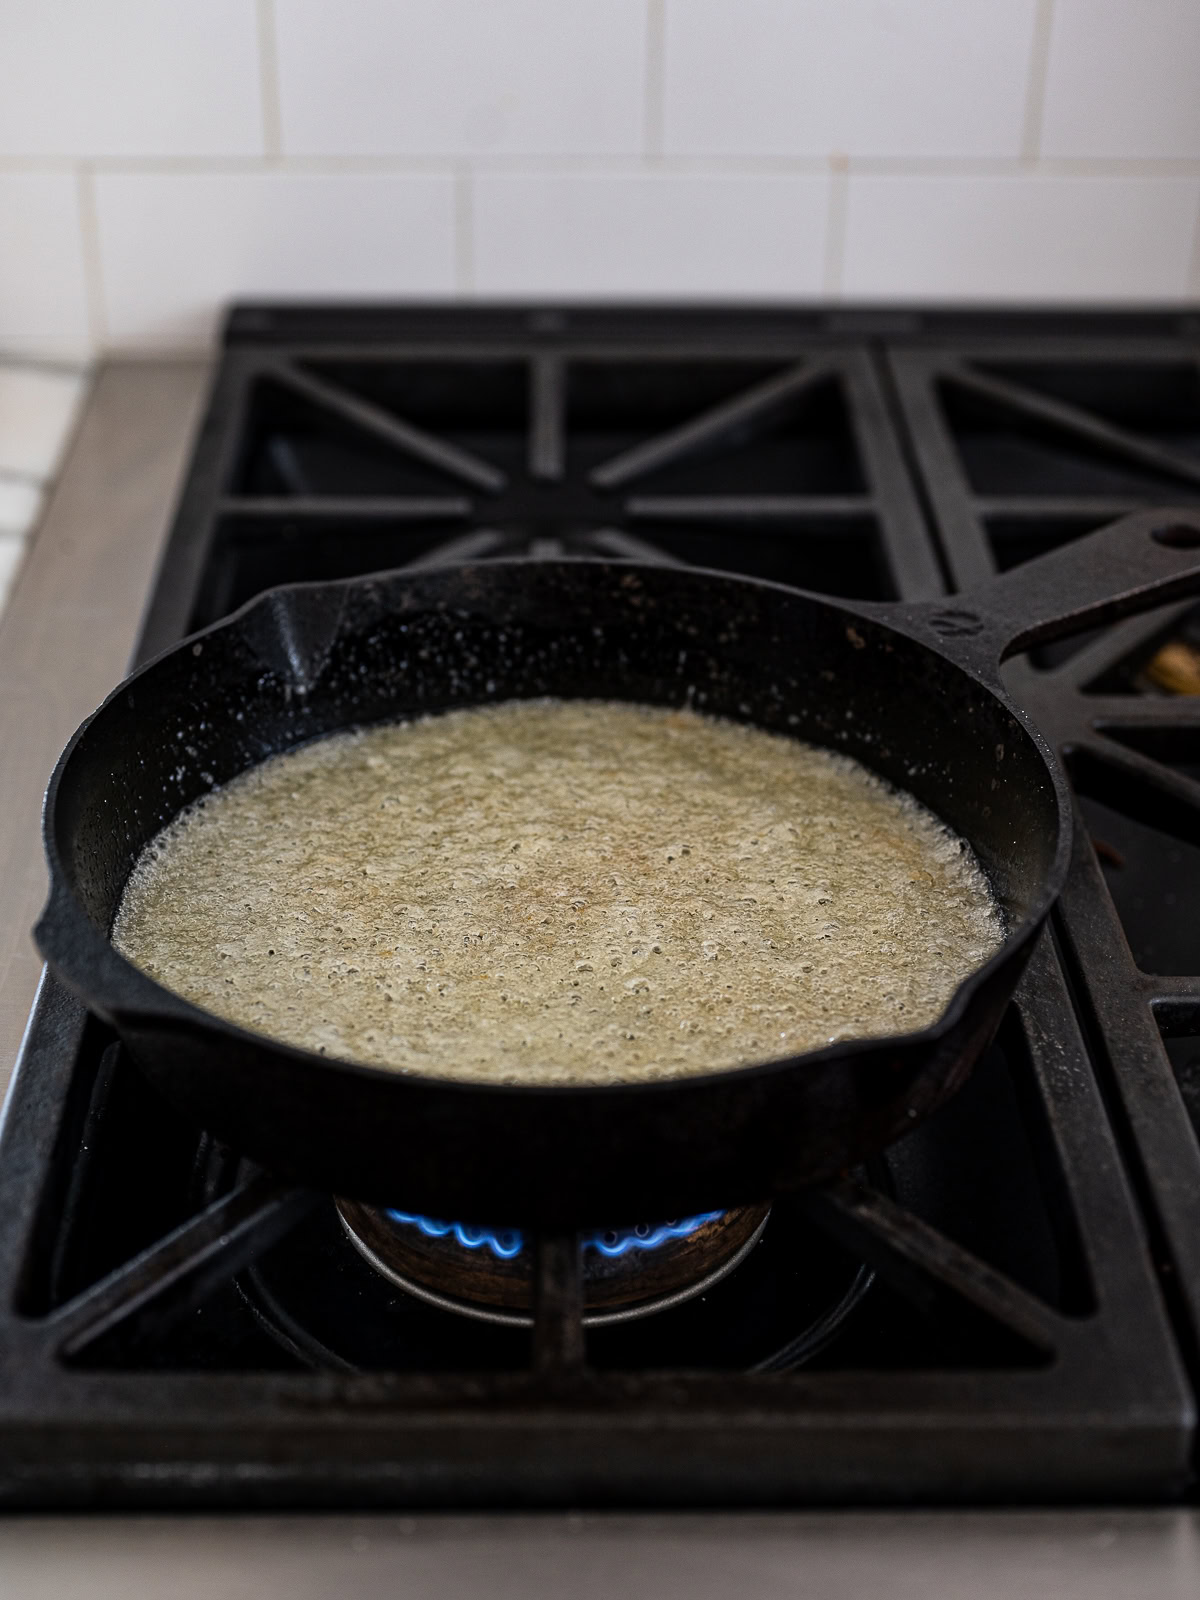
(64, 923)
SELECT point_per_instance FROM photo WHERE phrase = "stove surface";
(1006, 1306)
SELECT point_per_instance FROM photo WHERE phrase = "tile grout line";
(435, 162)
(1041, 166)
(464, 232)
(1035, 94)
(93, 271)
(835, 226)
(535, 164)
(653, 107)
(268, 78)
(60, 365)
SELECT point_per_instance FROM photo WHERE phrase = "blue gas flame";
(509, 1242)
(646, 1236)
(503, 1242)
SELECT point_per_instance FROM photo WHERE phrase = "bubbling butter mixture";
(560, 892)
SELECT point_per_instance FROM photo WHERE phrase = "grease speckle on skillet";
(560, 892)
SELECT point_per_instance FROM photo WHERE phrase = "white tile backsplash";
(1123, 79)
(405, 77)
(129, 77)
(159, 158)
(653, 236)
(38, 406)
(37, 409)
(174, 247)
(863, 77)
(20, 502)
(43, 295)
(1036, 237)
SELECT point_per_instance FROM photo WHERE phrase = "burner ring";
(620, 1284)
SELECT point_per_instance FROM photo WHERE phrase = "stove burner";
(319, 1296)
(486, 1273)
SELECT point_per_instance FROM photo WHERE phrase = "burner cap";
(487, 1273)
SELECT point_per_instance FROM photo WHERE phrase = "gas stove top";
(1005, 1307)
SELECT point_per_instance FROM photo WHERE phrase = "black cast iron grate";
(1121, 416)
(1014, 1342)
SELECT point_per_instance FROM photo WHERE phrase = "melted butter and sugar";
(560, 892)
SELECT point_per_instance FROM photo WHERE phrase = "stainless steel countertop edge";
(72, 618)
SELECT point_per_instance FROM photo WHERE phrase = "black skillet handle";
(1142, 560)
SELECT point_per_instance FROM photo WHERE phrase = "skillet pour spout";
(911, 690)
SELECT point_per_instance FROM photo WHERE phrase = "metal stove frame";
(1105, 1413)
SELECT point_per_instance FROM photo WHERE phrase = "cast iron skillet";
(910, 689)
